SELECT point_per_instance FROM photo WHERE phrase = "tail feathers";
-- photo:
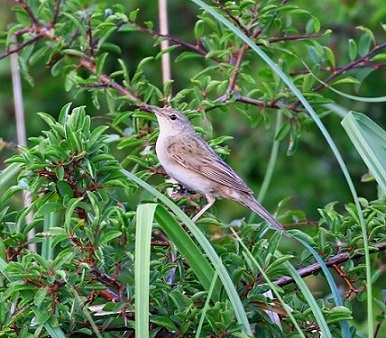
(250, 202)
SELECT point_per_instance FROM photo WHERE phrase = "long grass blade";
(145, 219)
(270, 283)
(189, 250)
(206, 247)
(370, 141)
(8, 174)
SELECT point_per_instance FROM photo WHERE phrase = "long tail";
(250, 202)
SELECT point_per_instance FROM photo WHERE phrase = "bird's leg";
(178, 192)
(211, 200)
(190, 195)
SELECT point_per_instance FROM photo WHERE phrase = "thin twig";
(21, 46)
(335, 260)
(56, 12)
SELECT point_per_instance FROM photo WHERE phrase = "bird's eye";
(173, 117)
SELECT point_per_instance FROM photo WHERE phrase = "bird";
(187, 158)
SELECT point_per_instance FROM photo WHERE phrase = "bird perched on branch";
(188, 159)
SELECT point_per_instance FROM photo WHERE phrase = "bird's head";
(172, 121)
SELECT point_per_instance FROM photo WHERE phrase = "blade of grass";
(189, 250)
(8, 174)
(206, 247)
(49, 221)
(206, 305)
(87, 314)
(271, 285)
(369, 139)
(145, 218)
(271, 162)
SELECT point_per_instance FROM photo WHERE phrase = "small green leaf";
(352, 50)
(109, 236)
(59, 170)
(133, 15)
(187, 56)
(330, 56)
(339, 313)
(100, 62)
(65, 189)
(149, 24)
(43, 317)
(312, 26)
(47, 118)
(164, 322)
(199, 29)
(346, 80)
(127, 27)
(40, 295)
(73, 52)
(364, 44)
(278, 262)
(48, 208)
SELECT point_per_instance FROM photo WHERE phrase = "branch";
(106, 80)
(354, 64)
(28, 11)
(21, 46)
(263, 104)
(335, 260)
(171, 39)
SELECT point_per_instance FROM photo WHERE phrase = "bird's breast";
(187, 177)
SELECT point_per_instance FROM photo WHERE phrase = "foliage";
(86, 177)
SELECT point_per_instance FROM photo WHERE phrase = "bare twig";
(335, 260)
(56, 12)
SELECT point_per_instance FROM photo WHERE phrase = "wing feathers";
(198, 156)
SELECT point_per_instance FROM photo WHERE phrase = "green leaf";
(339, 313)
(73, 52)
(346, 80)
(100, 62)
(47, 118)
(164, 322)
(48, 208)
(199, 29)
(109, 236)
(59, 171)
(127, 27)
(364, 44)
(40, 295)
(352, 50)
(133, 15)
(65, 190)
